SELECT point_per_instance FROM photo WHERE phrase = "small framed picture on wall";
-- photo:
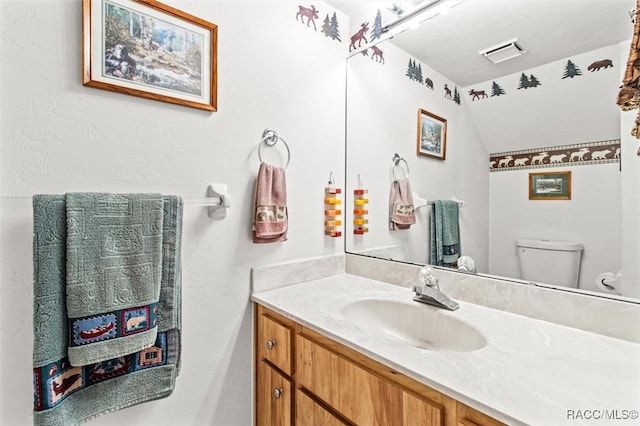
(550, 186)
(432, 135)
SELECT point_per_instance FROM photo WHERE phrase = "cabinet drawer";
(356, 394)
(274, 341)
(273, 397)
(360, 396)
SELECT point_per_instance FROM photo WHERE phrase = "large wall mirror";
(535, 113)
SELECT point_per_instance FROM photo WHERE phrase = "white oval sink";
(414, 324)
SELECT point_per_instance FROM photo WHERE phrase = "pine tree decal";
(534, 82)
(326, 26)
(497, 90)
(571, 70)
(414, 72)
(456, 95)
(419, 74)
(334, 32)
(524, 82)
(376, 31)
(410, 70)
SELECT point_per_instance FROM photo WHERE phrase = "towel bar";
(218, 201)
(419, 202)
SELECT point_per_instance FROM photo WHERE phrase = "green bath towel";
(65, 394)
(114, 266)
(445, 233)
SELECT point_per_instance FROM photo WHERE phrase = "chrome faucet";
(429, 292)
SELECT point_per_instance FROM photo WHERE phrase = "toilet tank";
(549, 261)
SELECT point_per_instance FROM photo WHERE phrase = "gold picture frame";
(550, 186)
(432, 135)
(148, 49)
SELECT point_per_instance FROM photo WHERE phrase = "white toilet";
(549, 261)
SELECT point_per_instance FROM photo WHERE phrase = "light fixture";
(423, 10)
(396, 9)
(503, 51)
(411, 18)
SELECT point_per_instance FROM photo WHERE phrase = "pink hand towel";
(270, 220)
(401, 209)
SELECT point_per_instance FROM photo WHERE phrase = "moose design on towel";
(271, 213)
(403, 209)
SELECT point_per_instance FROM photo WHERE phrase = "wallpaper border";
(600, 152)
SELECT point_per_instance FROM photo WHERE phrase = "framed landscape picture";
(550, 186)
(148, 49)
(432, 135)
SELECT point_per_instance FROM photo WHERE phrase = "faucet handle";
(427, 277)
(466, 264)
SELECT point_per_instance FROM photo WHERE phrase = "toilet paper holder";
(608, 281)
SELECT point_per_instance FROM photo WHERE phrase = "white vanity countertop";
(530, 372)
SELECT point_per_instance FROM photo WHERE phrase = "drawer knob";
(270, 344)
(277, 393)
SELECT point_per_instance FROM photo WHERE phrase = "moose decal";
(477, 94)
(377, 54)
(359, 36)
(310, 13)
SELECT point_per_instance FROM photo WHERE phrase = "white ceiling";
(548, 30)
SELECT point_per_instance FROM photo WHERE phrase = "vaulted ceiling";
(548, 30)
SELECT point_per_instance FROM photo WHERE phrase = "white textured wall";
(558, 112)
(591, 217)
(58, 136)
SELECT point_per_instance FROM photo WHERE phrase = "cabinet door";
(274, 341)
(273, 397)
(310, 413)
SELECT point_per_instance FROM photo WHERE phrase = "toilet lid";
(549, 244)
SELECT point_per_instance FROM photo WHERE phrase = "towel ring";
(270, 137)
(396, 162)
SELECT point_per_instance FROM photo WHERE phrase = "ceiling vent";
(507, 50)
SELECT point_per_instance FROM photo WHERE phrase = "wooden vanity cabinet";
(318, 381)
(274, 366)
